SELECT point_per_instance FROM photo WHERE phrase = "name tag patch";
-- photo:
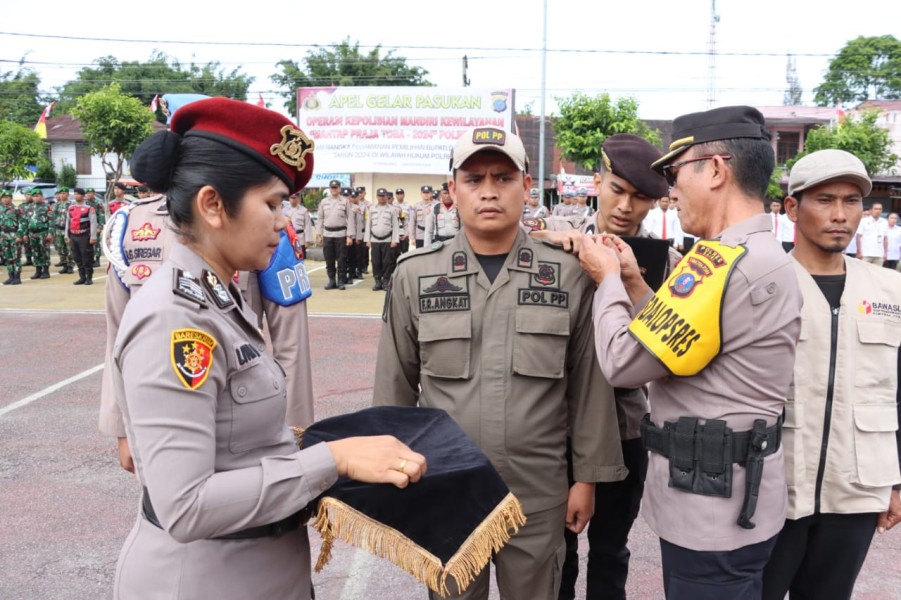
(438, 294)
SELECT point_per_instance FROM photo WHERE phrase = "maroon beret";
(630, 157)
(264, 135)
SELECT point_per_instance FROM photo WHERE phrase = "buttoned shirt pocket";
(258, 406)
(876, 366)
(445, 341)
(542, 334)
(875, 446)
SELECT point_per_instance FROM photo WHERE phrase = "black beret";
(78, 190)
(426, 189)
(726, 123)
(630, 157)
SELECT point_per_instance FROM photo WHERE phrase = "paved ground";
(65, 506)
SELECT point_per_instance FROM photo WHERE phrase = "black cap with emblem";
(726, 123)
(630, 157)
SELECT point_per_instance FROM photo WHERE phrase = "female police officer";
(203, 403)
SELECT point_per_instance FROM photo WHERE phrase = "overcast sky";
(652, 50)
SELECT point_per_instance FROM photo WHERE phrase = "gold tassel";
(298, 436)
(336, 520)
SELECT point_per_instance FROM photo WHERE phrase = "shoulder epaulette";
(433, 247)
(188, 286)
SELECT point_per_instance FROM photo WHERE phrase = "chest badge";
(216, 290)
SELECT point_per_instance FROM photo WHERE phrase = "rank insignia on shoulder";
(216, 290)
(187, 286)
(192, 356)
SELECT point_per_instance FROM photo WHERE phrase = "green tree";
(158, 75)
(867, 68)
(345, 65)
(113, 125)
(860, 136)
(774, 189)
(20, 148)
(586, 121)
(19, 98)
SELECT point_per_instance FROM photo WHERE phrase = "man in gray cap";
(841, 415)
(715, 345)
(495, 328)
(565, 208)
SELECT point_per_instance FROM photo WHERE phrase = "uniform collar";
(463, 261)
(740, 232)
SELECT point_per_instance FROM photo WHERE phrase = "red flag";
(155, 103)
(41, 127)
(260, 101)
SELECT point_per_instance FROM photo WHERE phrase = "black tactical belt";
(72, 234)
(381, 238)
(335, 228)
(276, 529)
(420, 227)
(701, 456)
(9, 229)
(444, 238)
(298, 231)
(663, 440)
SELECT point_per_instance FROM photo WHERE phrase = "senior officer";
(626, 189)
(716, 345)
(494, 327)
(222, 508)
(841, 418)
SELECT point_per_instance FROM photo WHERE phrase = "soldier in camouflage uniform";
(10, 216)
(91, 200)
(25, 209)
(60, 210)
(37, 232)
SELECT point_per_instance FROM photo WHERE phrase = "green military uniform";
(101, 221)
(10, 254)
(59, 212)
(26, 209)
(36, 231)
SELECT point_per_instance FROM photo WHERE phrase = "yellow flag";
(41, 127)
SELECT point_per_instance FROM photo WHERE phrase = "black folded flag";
(447, 524)
(652, 255)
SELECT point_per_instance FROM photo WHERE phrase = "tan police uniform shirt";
(203, 405)
(631, 403)
(512, 362)
(444, 224)
(358, 228)
(418, 216)
(336, 217)
(861, 459)
(381, 225)
(302, 222)
(404, 212)
(748, 380)
(146, 238)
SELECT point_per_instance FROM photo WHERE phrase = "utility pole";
(711, 56)
(543, 94)
(465, 67)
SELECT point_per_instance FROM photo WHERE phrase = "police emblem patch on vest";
(192, 356)
(438, 294)
(681, 324)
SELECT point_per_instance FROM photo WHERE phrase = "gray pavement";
(66, 506)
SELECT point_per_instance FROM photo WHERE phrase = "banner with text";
(395, 129)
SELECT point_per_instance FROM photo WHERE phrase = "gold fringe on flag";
(337, 520)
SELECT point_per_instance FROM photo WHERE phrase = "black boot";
(15, 280)
(58, 264)
(378, 284)
(81, 278)
(89, 280)
(331, 284)
(66, 269)
(341, 282)
(45, 273)
(37, 273)
(8, 280)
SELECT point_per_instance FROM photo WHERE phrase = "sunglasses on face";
(670, 172)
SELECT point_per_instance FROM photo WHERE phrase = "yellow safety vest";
(681, 324)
